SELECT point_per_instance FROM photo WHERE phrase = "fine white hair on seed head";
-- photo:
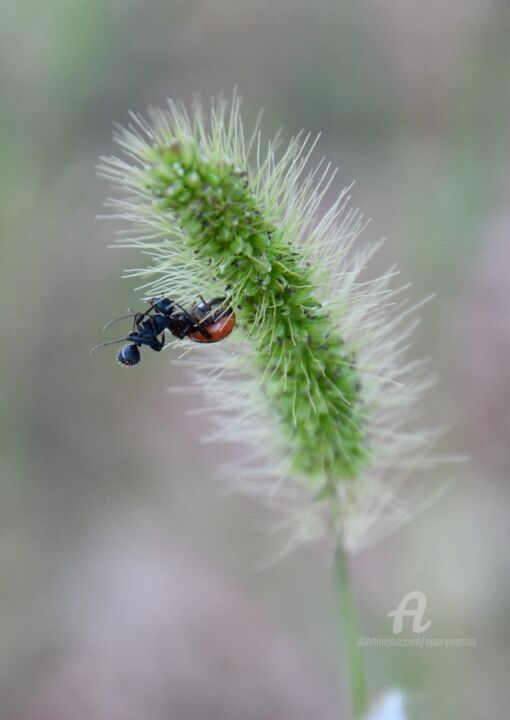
(315, 382)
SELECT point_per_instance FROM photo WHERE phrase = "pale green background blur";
(129, 587)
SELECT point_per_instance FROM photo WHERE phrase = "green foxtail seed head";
(312, 379)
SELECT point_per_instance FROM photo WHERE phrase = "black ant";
(205, 322)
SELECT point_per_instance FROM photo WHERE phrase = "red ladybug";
(213, 321)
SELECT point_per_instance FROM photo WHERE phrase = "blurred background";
(129, 587)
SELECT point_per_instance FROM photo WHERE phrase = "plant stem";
(348, 616)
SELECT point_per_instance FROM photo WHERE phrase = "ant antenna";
(109, 342)
(122, 317)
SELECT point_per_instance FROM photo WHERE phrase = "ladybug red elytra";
(214, 321)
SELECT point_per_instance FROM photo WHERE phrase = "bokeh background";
(129, 586)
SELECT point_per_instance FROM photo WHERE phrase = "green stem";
(348, 616)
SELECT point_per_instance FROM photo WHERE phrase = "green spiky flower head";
(312, 378)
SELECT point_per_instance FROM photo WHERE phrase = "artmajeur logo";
(412, 605)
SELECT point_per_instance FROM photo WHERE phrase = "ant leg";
(156, 345)
(187, 314)
(137, 317)
(154, 305)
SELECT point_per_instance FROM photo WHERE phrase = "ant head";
(129, 355)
